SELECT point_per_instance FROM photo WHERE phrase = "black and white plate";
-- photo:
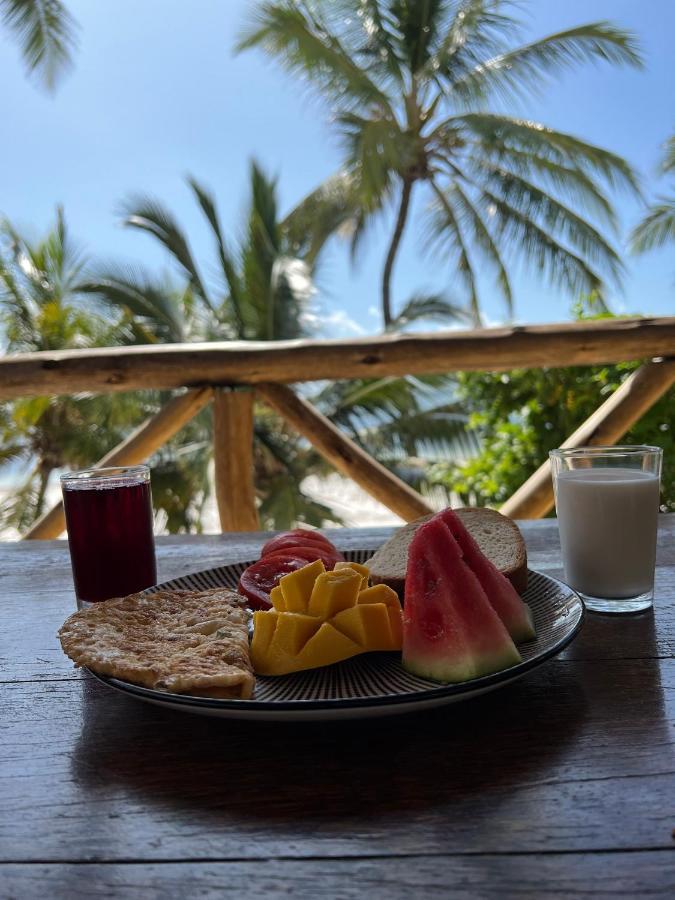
(374, 684)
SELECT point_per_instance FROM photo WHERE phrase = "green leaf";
(46, 33)
(428, 307)
(495, 132)
(656, 229)
(518, 71)
(301, 42)
(134, 289)
(230, 274)
(147, 214)
(447, 227)
(484, 240)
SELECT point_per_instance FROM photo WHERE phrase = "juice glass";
(109, 521)
(607, 501)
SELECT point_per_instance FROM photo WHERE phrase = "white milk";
(608, 521)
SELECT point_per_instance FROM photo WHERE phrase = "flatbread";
(185, 642)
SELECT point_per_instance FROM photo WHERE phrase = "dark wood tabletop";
(562, 784)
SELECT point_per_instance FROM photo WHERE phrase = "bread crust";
(387, 566)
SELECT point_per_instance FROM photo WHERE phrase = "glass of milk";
(607, 501)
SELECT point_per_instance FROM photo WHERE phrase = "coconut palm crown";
(417, 89)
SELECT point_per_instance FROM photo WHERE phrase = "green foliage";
(45, 32)
(45, 305)
(409, 86)
(658, 226)
(522, 414)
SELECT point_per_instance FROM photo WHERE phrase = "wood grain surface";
(165, 366)
(559, 785)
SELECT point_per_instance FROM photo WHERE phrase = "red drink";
(109, 520)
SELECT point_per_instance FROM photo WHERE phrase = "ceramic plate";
(374, 684)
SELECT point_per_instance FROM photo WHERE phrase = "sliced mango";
(264, 628)
(296, 587)
(363, 571)
(367, 625)
(319, 618)
(334, 591)
(277, 599)
(327, 646)
(294, 630)
(380, 593)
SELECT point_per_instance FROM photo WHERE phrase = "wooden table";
(560, 785)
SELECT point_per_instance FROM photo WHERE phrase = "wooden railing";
(231, 375)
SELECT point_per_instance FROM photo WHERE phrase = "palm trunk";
(393, 249)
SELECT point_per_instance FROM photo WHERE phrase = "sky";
(157, 93)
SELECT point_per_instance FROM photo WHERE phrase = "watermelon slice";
(514, 613)
(451, 633)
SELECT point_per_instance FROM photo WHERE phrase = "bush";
(522, 414)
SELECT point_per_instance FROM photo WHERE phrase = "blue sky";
(157, 92)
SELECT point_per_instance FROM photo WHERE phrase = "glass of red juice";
(109, 521)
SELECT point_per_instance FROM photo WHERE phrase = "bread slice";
(498, 537)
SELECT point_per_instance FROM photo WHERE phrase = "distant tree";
(44, 306)
(658, 227)
(408, 83)
(522, 414)
(45, 32)
(262, 289)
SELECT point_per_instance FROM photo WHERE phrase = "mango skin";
(320, 618)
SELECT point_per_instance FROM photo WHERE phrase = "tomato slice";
(257, 581)
(328, 557)
(300, 537)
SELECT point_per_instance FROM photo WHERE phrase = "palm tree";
(263, 290)
(45, 32)
(658, 226)
(409, 83)
(44, 305)
(41, 309)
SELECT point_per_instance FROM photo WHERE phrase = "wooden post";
(343, 453)
(134, 449)
(233, 455)
(609, 422)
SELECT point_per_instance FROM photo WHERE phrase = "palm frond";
(428, 307)
(558, 219)
(147, 214)
(656, 229)
(476, 30)
(447, 227)
(131, 288)
(569, 180)
(291, 33)
(537, 247)
(230, 274)
(439, 433)
(484, 240)
(372, 32)
(418, 26)
(521, 69)
(331, 208)
(46, 33)
(668, 160)
(495, 132)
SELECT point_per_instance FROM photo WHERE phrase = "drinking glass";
(110, 534)
(607, 501)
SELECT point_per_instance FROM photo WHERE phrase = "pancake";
(185, 642)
